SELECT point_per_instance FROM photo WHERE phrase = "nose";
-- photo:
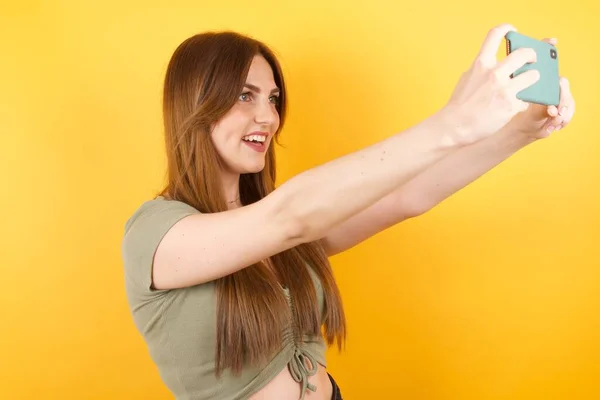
(265, 113)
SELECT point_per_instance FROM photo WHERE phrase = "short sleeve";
(143, 233)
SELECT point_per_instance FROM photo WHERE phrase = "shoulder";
(144, 230)
(158, 210)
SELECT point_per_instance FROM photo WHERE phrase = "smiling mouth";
(256, 142)
(255, 139)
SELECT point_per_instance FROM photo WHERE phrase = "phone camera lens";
(553, 53)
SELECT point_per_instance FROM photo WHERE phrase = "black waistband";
(336, 394)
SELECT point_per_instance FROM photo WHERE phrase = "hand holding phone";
(546, 90)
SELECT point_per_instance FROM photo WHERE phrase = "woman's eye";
(245, 97)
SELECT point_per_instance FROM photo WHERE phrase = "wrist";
(512, 139)
(454, 131)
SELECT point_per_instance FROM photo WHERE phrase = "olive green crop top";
(178, 325)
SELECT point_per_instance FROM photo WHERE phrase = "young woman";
(227, 276)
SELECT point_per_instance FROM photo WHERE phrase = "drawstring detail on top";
(297, 365)
(300, 372)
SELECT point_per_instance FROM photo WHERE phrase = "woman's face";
(244, 134)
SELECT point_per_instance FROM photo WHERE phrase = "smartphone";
(546, 90)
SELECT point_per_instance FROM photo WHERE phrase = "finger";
(550, 127)
(560, 115)
(554, 124)
(565, 108)
(566, 102)
(552, 41)
(556, 121)
(524, 80)
(566, 99)
(571, 112)
(492, 42)
(516, 60)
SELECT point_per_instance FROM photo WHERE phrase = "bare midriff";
(284, 387)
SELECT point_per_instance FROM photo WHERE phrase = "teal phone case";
(546, 90)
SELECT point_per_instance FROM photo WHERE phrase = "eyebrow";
(257, 89)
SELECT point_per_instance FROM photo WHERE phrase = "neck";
(231, 188)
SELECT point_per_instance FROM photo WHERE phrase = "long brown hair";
(204, 78)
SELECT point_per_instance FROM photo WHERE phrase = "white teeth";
(255, 138)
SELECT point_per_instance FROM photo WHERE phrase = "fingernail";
(550, 128)
(563, 110)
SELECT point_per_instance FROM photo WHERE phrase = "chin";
(249, 168)
(254, 169)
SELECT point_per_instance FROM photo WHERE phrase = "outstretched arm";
(453, 172)
(426, 190)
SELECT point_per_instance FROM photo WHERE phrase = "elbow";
(307, 230)
(297, 231)
(288, 221)
(415, 212)
(304, 226)
(415, 208)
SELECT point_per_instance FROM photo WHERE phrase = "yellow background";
(494, 294)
